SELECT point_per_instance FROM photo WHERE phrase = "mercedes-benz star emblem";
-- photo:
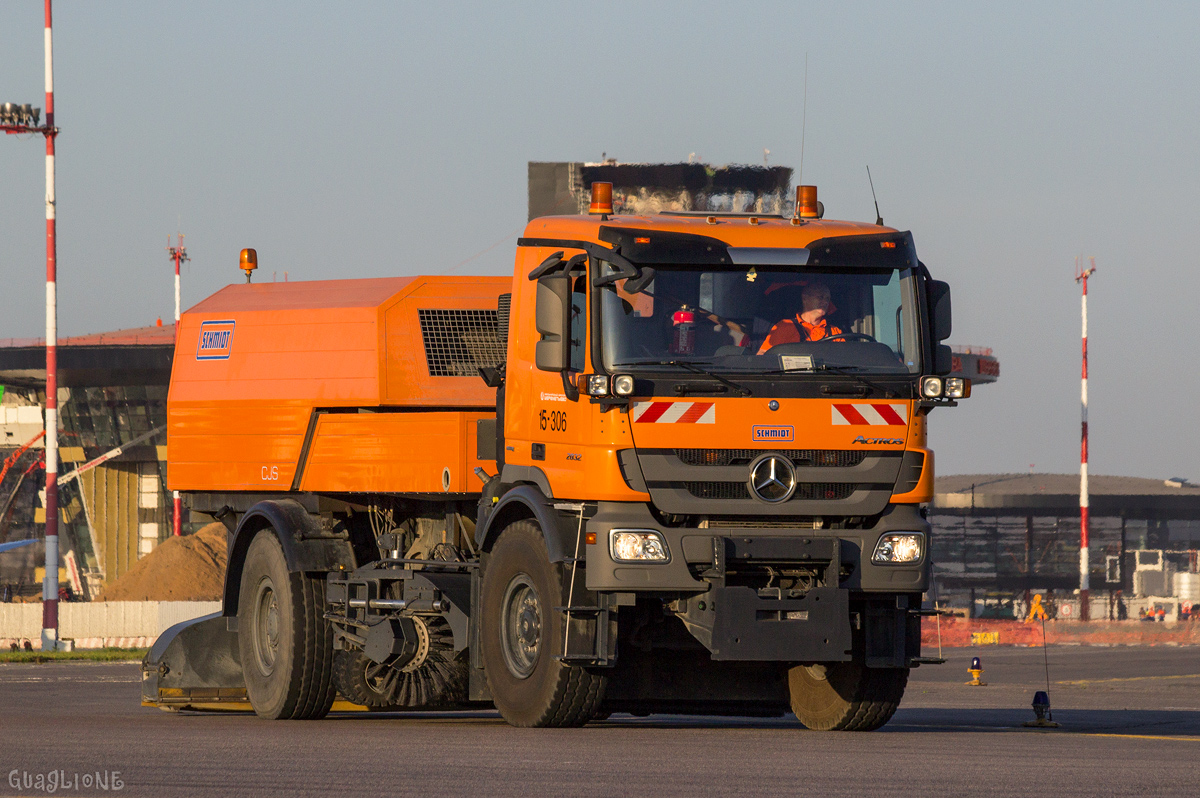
(772, 478)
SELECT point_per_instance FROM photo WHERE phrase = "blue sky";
(371, 139)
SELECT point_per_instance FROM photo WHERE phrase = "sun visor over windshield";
(882, 251)
(657, 246)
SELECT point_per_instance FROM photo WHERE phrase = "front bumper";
(690, 548)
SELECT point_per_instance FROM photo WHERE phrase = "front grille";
(821, 458)
(817, 491)
(805, 491)
(718, 490)
(458, 342)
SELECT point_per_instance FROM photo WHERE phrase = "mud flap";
(195, 665)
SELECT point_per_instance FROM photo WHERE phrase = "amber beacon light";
(249, 262)
(806, 202)
(601, 199)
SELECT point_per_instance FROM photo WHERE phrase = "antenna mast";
(178, 254)
(878, 217)
(804, 120)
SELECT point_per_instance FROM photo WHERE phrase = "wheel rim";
(520, 626)
(266, 627)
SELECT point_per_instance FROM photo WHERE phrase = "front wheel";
(845, 696)
(523, 636)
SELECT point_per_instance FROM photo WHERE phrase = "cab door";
(547, 423)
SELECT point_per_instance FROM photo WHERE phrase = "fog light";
(595, 384)
(637, 545)
(931, 387)
(622, 385)
(899, 547)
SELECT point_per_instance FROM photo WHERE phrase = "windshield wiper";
(888, 393)
(695, 369)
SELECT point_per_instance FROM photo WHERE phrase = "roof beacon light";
(601, 199)
(249, 262)
(806, 203)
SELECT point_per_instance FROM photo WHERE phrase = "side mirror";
(553, 319)
(943, 360)
(939, 310)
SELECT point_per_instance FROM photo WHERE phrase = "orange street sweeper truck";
(675, 463)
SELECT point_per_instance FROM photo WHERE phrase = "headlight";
(637, 545)
(899, 547)
(931, 387)
(595, 384)
(958, 388)
(622, 385)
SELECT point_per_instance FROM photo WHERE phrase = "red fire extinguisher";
(683, 338)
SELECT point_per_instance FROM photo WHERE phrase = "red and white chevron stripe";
(675, 412)
(870, 414)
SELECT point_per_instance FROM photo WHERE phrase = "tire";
(285, 643)
(845, 696)
(522, 634)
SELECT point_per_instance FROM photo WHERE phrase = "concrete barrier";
(99, 624)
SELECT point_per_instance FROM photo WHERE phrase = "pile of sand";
(187, 568)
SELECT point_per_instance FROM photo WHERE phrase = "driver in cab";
(811, 323)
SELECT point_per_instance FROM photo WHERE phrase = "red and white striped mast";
(1081, 277)
(15, 120)
(50, 583)
(178, 254)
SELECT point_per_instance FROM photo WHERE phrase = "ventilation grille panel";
(458, 342)
(805, 491)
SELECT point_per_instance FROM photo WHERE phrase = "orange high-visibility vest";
(790, 331)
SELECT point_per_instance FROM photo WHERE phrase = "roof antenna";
(878, 218)
(804, 119)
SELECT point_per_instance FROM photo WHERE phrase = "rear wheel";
(285, 643)
(845, 696)
(523, 635)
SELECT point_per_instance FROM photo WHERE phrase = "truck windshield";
(764, 319)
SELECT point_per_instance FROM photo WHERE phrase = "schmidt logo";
(760, 432)
(879, 441)
(216, 338)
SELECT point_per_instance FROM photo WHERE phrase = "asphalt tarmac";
(1130, 726)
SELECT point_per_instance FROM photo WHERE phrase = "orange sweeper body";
(317, 386)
